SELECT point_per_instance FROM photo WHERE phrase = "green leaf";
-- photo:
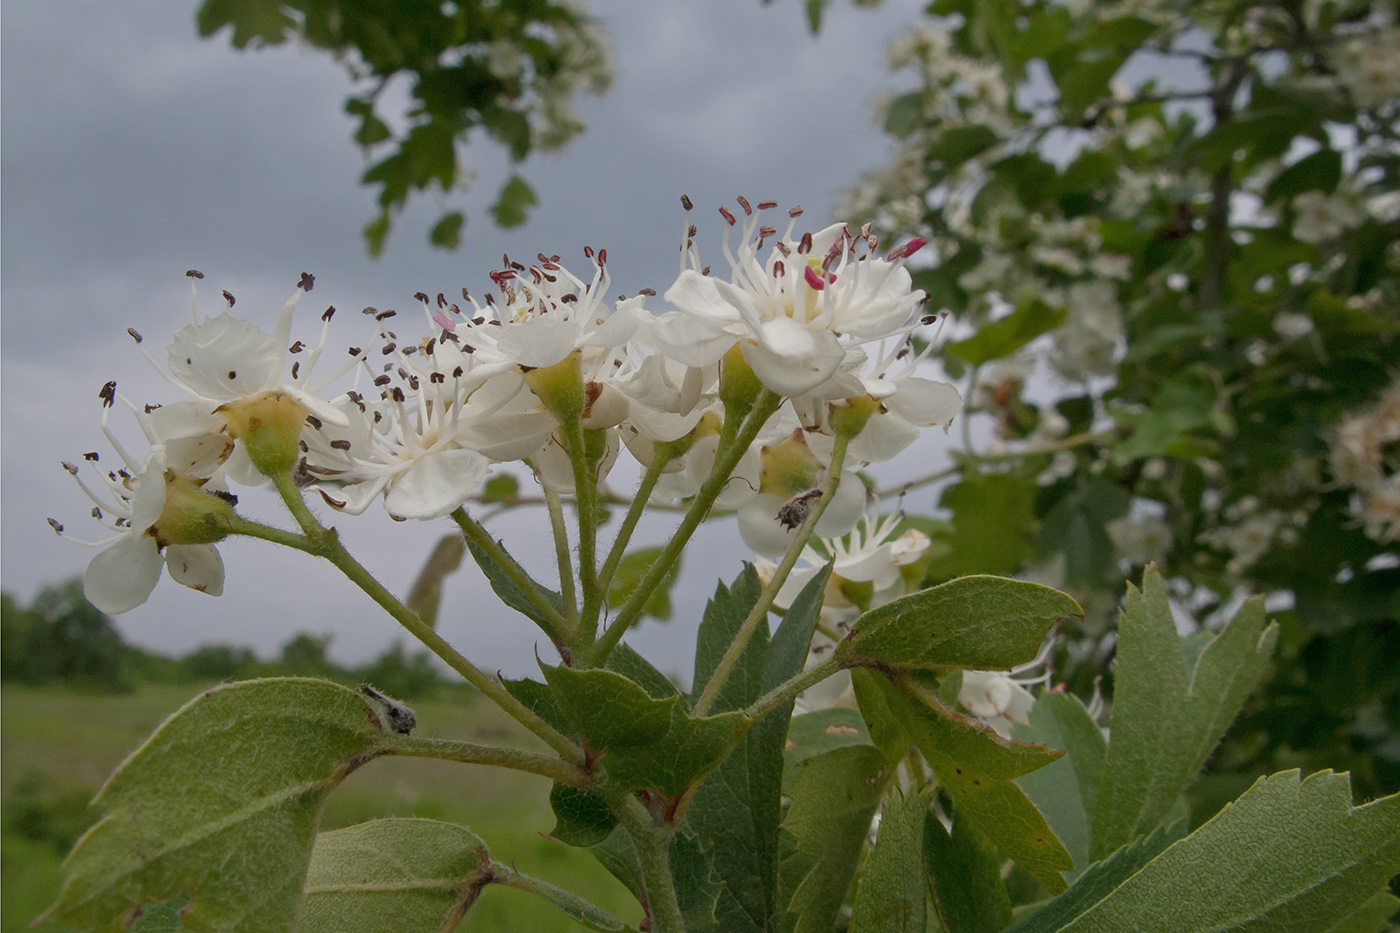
(990, 623)
(425, 597)
(957, 144)
(696, 886)
(735, 811)
(376, 231)
(628, 575)
(1076, 525)
(965, 868)
(643, 742)
(905, 115)
(626, 661)
(816, 733)
(834, 801)
(976, 767)
(885, 726)
(447, 232)
(893, 896)
(993, 520)
(254, 22)
(405, 875)
(413, 876)
(724, 614)
(1321, 171)
(1288, 855)
(1004, 337)
(1372, 916)
(1099, 881)
(221, 803)
(502, 487)
(1167, 719)
(1066, 791)
(511, 594)
(513, 204)
(815, 9)
(162, 918)
(581, 818)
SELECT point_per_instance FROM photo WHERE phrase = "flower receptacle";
(559, 387)
(850, 416)
(192, 515)
(269, 426)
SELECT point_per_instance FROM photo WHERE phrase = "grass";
(59, 745)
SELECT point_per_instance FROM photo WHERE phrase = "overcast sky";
(133, 151)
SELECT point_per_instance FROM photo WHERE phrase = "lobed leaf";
(220, 803)
(1289, 854)
(1167, 718)
(629, 573)
(511, 594)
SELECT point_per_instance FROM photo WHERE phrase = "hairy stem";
(629, 524)
(789, 689)
(726, 459)
(653, 845)
(578, 909)
(586, 499)
(561, 553)
(759, 613)
(492, 755)
(324, 542)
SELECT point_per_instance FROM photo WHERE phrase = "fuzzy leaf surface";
(221, 803)
(735, 811)
(977, 767)
(1289, 854)
(511, 594)
(965, 871)
(643, 742)
(1167, 718)
(983, 622)
(1066, 791)
(893, 895)
(835, 798)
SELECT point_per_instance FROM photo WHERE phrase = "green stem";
(586, 499)
(492, 755)
(759, 613)
(653, 845)
(578, 909)
(789, 689)
(561, 553)
(325, 542)
(242, 526)
(629, 524)
(726, 459)
(512, 569)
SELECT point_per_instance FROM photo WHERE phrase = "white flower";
(1000, 698)
(127, 567)
(795, 314)
(1321, 217)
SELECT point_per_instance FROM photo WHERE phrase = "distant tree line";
(61, 638)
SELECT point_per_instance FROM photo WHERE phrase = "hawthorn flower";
(160, 514)
(428, 443)
(240, 369)
(795, 314)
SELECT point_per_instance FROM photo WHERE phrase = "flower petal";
(436, 484)
(225, 357)
(121, 577)
(925, 402)
(791, 359)
(197, 566)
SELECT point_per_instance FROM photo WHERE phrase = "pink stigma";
(907, 250)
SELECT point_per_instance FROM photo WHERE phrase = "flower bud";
(191, 514)
(269, 426)
(560, 387)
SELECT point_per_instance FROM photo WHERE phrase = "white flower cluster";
(822, 321)
(1366, 457)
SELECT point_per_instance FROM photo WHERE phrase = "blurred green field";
(58, 745)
